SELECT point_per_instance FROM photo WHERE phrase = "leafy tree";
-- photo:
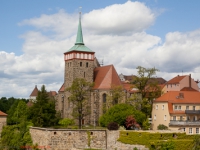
(148, 88)
(118, 114)
(17, 135)
(146, 125)
(80, 94)
(66, 122)
(43, 113)
(116, 96)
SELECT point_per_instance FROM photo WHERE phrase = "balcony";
(192, 112)
(183, 123)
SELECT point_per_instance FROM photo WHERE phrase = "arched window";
(86, 64)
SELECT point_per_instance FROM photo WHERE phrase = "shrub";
(162, 127)
(118, 114)
(66, 122)
(113, 126)
(131, 123)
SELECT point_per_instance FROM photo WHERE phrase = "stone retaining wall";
(65, 139)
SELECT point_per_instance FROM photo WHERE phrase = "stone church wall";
(65, 139)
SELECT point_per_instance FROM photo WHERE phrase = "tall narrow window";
(154, 117)
(197, 130)
(190, 130)
(86, 64)
(187, 107)
(163, 106)
(80, 64)
(193, 107)
(174, 117)
(84, 75)
(104, 102)
(181, 118)
(165, 117)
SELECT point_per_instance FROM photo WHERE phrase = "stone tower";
(79, 60)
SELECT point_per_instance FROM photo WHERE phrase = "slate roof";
(105, 77)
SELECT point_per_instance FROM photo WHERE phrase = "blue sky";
(159, 33)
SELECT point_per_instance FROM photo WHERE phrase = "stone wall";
(65, 139)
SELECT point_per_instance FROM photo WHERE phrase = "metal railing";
(179, 122)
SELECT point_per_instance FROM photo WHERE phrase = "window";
(184, 129)
(154, 117)
(193, 107)
(163, 107)
(179, 107)
(181, 118)
(84, 75)
(187, 107)
(190, 130)
(156, 106)
(197, 130)
(175, 107)
(86, 64)
(188, 117)
(80, 64)
(165, 117)
(174, 117)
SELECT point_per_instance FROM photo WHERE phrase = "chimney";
(190, 81)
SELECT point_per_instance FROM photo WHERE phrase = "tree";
(16, 135)
(80, 95)
(116, 96)
(147, 87)
(66, 122)
(43, 113)
(118, 114)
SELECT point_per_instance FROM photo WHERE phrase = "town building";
(3, 119)
(181, 83)
(178, 110)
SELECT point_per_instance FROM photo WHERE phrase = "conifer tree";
(43, 113)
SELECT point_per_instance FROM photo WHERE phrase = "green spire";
(79, 37)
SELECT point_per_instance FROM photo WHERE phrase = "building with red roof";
(178, 110)
(3, 119)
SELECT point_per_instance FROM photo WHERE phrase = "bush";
(66, 122)
(162, 127)
(118, 114)
(113, 126)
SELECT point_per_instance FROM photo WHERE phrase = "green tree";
(118, 114)
(17, 135)
(80, 94)
(148, 88)
(116, 96)
(43, 113)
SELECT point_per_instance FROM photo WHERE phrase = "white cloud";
(119, 18)
(117, 35)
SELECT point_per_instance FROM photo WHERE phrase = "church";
(80, 62)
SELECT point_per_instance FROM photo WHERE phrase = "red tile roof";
(35, 91)
(61, 88)
(175, 97)
(176, 79)
(105, 77)
(188, 89)
(2, 113)
(52, 93)
(29, 104)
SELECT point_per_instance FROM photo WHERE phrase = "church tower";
(79, 60)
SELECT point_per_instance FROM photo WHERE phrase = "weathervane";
(80, 12)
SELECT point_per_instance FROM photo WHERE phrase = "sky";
(126, 33)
